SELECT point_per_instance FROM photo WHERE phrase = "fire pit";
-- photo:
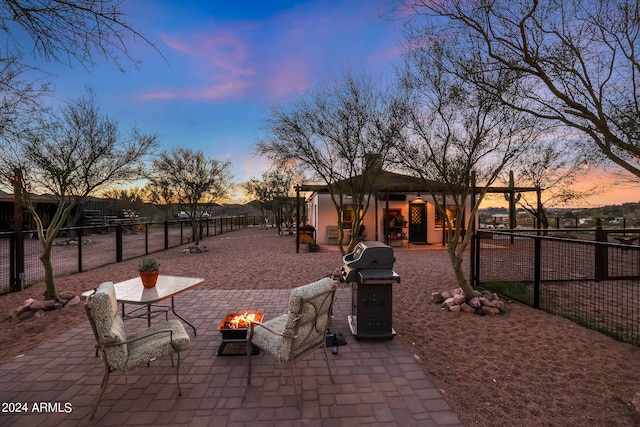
(234, 328)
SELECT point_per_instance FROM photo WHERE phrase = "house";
(400, 213)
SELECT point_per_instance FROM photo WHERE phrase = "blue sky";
(223, 63)
(227, 62)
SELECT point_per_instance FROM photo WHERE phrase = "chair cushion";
(283, 348)
(306, 292)
(158, 345)
(109, 325)
(274, 344)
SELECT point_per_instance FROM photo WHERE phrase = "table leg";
(173, 309)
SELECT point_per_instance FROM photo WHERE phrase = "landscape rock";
(73, 301)
(636, 402)
(33, 308)
(484, 302)
(475, 303)
(448, 302)
(42, 305)
(467, 308)
(436, 297)
(490, 310)
(26, 315)
(65, 295)
(459, 299)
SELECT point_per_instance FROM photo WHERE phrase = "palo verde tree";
(577, 60)
(342, 134)
(195, 182)
(273, 190)
(69, 157)
(459, 136)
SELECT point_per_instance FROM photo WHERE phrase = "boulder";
(475, 303)
(436, 297)
(65, 295)
(73, 301)
(26, 315)
(490, 310)
(42, 305)
(459, 299)
(467, 308)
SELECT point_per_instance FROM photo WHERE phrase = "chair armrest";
(164, 331)
(270, 330)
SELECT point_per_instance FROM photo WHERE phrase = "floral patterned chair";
(122, 351)
(299, 331)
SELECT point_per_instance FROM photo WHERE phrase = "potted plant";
(148, 268)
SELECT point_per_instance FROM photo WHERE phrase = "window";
(347, 217)
(451, 215)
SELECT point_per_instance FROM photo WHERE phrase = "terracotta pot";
(149, 278)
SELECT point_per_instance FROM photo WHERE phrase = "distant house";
(401, 212)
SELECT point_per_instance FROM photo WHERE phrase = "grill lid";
(370, 255)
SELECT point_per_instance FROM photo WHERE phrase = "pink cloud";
(217, 64)
(287, 75)
(224, 90)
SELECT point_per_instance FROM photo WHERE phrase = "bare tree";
(129, 201)
(69, 158)
(67, 31)
(76, 32)
(19, 98)
(195, 182)
(158, 190)
(274, 189)
(342, 133)
(577, 61)
(555, 169)
(460, 135)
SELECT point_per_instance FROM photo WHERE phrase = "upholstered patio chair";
(122, 351)
(300, 330)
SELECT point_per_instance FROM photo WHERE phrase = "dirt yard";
(525, 367)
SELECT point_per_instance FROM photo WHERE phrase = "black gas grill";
(369, 269)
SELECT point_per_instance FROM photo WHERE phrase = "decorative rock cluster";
(195, 249)
(484, 302)
(37, 308)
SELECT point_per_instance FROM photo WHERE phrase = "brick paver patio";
(377, 382)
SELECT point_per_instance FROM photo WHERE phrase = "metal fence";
(83, 248)
(593, 283)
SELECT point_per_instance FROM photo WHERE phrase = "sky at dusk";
(226, 62)
(220, 65)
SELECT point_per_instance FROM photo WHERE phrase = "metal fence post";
(166, 234)
(146, 239)
(536, 271)
(79, 234)
(119, 243)
(13, 276)
(601, 253)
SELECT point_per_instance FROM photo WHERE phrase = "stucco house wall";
(323, 216)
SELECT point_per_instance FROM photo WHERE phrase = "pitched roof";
(391, 182)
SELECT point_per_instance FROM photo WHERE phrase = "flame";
(242, 320)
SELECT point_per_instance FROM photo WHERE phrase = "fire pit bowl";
(234, 328)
